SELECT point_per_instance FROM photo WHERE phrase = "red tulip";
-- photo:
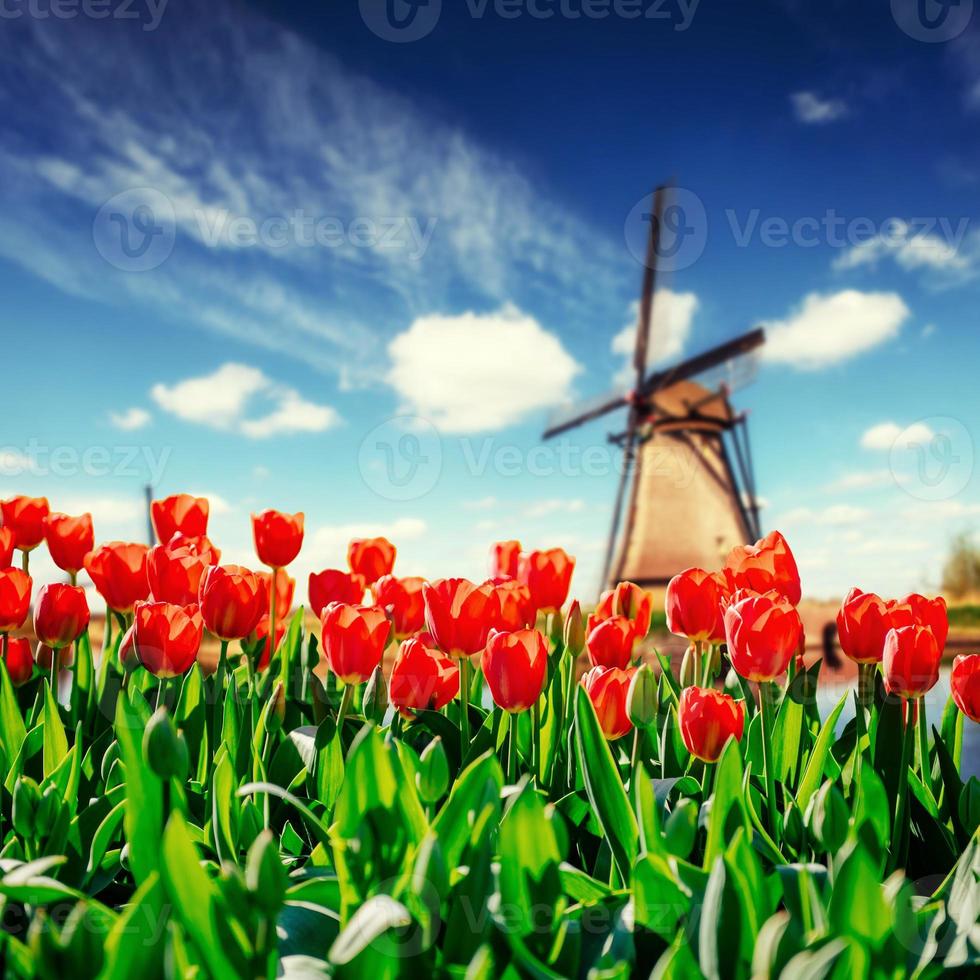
(25, 516)
(200, 543)
(167, 637)
(261, 633)
(608, 689)
(515, 666)
(764, 632)
(354, 639)
(768, 564)
(7, 539)
(610, 641)
(175, 574)
(516, 609)
(20, 663)
(181, 512)
(232, 600)
(505, 557)
(61, 615)
(70, 539)
(401, 599)
(371, 558)
(285, 588)
(460, 615)
(708, 719)
(694, 605)
(334, 585)
(910, 662)
(119, 573)
(278, 537)
(862, 623)
(627, 600)
(965, 684)
(15, 598)
(548, 574)
(931, 613)
(422, 678)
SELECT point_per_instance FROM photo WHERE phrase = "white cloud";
(811, 109)
(950, 256)
(15, 463)
(673, 315)
(545, 508)
(860, 480)
(884, 435)
(829, 328)
(327, 546)
(220, 400)
(483, 503)
(475, 372)
(837, 515)
(131, 419)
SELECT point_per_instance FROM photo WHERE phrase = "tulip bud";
(689, 668)
(681, 828)
(27, 799)
(828, 818)
(48, 811)
(557, 627)
(574, 635)
(432, 777)
(643, 699)
(375, 702)
(164, 748)
(264, 874)
(278, 712)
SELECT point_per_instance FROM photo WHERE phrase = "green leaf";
(475, 796)
(604, 787)
(195, 898)
(55, 740)
(12, 728)
(858, 906)
(814, 771)
(727, 808)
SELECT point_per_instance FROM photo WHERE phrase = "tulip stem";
(706, 781)
(55, 654)
(222, 667)
(464, 707)
(512, 749)
(635, 757)
(898, 830)
(923, 730)
(345, 703)
(768, 723)
(272, 627)
(25, 562)
(536, 739)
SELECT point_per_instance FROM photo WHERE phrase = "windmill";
(687, 463)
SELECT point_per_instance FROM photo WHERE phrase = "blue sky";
(358, 247)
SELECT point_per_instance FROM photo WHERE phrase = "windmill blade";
(565, 419)
(649, 285)
(629, 451)
(705, 362)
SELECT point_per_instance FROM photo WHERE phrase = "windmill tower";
(687, 490)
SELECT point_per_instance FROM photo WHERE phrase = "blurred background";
(349, 258)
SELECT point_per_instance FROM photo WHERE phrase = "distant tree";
(961, 573)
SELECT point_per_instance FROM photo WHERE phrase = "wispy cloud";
(813, 110)
(322, 167)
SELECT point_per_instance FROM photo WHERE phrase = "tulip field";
(448, 778)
